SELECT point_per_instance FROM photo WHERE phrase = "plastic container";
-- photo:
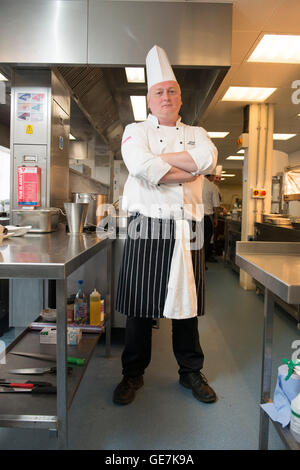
(101, 310)
(80, 306)
(295, 418)
(95, 308)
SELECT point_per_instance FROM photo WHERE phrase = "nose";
(165, 95)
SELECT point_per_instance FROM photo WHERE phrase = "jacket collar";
(154, 120)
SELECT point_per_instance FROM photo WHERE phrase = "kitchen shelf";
(43, 405)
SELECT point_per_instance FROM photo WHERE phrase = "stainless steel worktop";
(48, 256)
(275, 264)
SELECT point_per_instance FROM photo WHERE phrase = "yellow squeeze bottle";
(95, 315)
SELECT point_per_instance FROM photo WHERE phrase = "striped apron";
(146, 264)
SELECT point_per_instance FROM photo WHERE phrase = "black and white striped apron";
(145, 267)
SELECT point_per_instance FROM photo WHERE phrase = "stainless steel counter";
(47, 256)
(276, 266)
(54, 256)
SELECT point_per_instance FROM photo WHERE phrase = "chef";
(211, 203)
(161, 274)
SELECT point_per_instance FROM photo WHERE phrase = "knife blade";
(37, 371)
(15, 390)
(48, 357)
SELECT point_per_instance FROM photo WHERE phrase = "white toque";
(158, 67)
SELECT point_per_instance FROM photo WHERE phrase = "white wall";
(4, 173)
(294, 158)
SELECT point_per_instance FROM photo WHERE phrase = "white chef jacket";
(210, 196)
(141, 144)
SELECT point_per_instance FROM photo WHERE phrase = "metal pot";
(95, 211)
(43, 220)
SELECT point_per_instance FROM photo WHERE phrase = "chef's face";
(164, 101)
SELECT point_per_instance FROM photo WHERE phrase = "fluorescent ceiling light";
(241, 151)
(71, 137)
(3, 78)
(283, 136)
(241, 93)
(235, 157)
(280, 48)
(139, 108)
(222, 179)
(223, 171)
(135, 74)
(229, 175)
(217, 135)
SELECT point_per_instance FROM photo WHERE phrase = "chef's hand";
(175, 176)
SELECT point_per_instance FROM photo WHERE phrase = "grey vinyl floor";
(165, 415)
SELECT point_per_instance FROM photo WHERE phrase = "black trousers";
(208, 233)
(138, 338)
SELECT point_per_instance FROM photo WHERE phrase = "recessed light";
(217, 135)
(135, 74)
(3, 78)
(139, 107)
(277, 48)
(283, 136)
(71, 137)
(253, 94)
(235, 157)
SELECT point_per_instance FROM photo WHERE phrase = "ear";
(148, 99)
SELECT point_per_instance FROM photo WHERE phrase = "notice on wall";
(30, 107)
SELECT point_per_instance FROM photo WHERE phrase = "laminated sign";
(29, 186)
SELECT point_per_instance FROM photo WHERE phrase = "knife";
(36, 371)
(48, 357)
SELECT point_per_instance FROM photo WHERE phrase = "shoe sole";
(127, 402)
(204, 400)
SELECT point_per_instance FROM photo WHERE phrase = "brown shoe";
(198, 384)
(125, 391)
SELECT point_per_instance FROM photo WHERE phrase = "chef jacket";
(142, 143)
(210, 196)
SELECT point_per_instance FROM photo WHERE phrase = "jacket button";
(158, 184)
(157, 127)
(160, 140)
(180, 184)
(181, 142)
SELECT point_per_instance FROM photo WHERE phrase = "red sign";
(29, 186)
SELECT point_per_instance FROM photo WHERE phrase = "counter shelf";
(276, 266)
(39, 411)
(26, 257)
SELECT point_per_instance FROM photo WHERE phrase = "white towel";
(181, 301)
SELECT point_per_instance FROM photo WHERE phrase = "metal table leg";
(266, 373)
(61, 362)
(110, 306)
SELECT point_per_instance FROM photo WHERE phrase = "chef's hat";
(218, 170)
(158, 67)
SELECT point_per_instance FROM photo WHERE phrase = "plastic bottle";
(95, 308)
(80, 306)
(295, 418)
(102, 310)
